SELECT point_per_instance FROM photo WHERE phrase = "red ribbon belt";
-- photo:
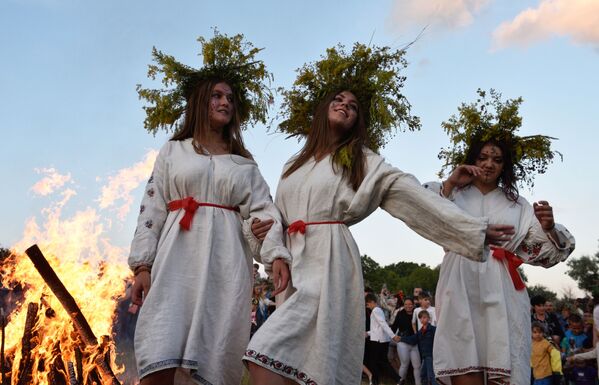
(190, 206)
(300, 226)
(512, 265)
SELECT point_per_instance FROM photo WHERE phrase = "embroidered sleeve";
(539, 249)
(152, 214)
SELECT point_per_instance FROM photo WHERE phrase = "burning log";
(93, 378)
(79, 365)
(28, 343)
(57, 369)
(72, 309)
(72, 374)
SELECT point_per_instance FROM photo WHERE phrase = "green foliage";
(372, 74)
(224, 58)
(522, 274)
(585, 271)
(4, 253)
(7, 266)
(543, 291)
(399, 276)
(493, 118)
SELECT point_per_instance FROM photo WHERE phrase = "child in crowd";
(425, 304)
(574, 338)
(424, 338)
(556, 364)
(581, 374)
(540, 357)
(380, 335)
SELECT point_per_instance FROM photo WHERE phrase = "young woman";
(193, 271)
(483, 308)
(407, 353)
(262, 303)
(316, 336)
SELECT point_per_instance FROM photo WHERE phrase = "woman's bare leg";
(161, 377)
(468, 379)
(368, 373)
(262, 376)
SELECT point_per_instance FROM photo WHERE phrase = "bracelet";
(141, 268)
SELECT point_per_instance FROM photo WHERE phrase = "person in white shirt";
(425, 304)
(596, 320)
(380, 334)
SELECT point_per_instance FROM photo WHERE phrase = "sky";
(72, 124)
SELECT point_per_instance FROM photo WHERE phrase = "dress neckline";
(482, 193)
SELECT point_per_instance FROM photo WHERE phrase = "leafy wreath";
(372, 74)
(225, 58)
(494, 119)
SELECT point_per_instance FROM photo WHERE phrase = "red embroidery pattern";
(278, 366)
(532, 249)
(455, 372)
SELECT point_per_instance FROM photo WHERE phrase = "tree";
(4, 253)
(5, 263)
(542, 291)
(399, 276)
(585, 271)
(523, 274)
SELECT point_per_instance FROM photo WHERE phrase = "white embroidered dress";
(317, 336)
(483, 322)
(197, 312)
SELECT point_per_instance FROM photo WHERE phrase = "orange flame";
(89, 265)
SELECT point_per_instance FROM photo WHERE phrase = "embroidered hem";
(175, 363)
(278, 367)
(501, 372)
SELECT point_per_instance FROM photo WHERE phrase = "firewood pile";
(76, 359)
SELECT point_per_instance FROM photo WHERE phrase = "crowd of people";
(401, 330)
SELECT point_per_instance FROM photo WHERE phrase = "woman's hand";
(260, 228)
(280, 275)
(460, 177)
(497, 235)
(140, 288)
(544, 213)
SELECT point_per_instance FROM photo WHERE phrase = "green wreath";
(494, 119)
(228, 58)
(372, 74)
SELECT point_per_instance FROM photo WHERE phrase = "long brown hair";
(320, 141)
(197, 119)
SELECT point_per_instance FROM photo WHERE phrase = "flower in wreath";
(372, 74)
(232, 59)
(491, 118)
